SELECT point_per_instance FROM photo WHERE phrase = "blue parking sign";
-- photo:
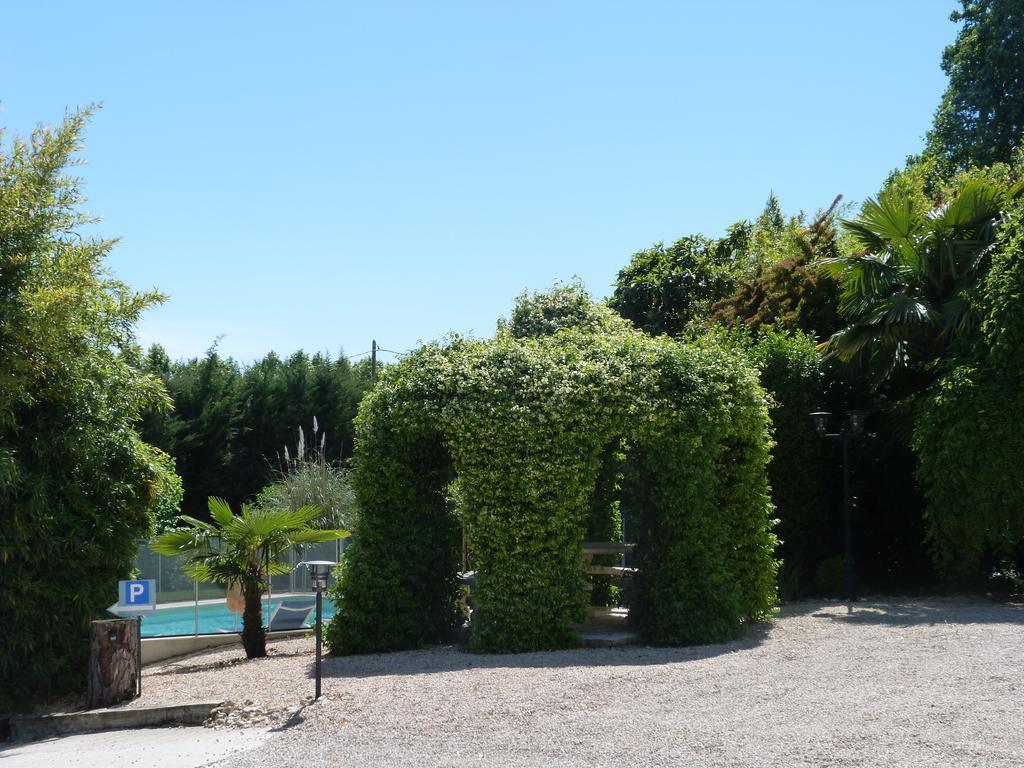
(139, 593)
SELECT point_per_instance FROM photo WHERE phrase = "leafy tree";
(980, 120)
(242, 549)
(664, 290)
(905, 290)
(77, 485)
(789, 293)
(675, 289)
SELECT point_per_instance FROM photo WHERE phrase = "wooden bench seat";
(592, 548)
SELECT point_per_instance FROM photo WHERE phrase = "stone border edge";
(24, 728)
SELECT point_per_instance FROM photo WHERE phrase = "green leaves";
(77, 485)
(979, 119)
(237, 545)
(967, 436)
(220, 511)
(523, 425)
(904, 293)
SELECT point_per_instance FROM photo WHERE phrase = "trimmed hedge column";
(397, 585)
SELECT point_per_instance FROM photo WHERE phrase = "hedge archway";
(526, 422)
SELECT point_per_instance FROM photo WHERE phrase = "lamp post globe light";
(852, 427)
(319, 571)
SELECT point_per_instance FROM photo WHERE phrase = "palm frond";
(314, 536)
(175, 543)
(220, 510)
(277, 568)
(863, 235)
(892, 217)
(900, 309)
(979, 201)
(200, 524)
(959, 317)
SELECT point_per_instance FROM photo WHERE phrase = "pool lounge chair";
(292, 613)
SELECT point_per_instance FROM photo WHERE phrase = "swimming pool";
(214, 618)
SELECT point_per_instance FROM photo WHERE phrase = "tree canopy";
(980, 120)
(232, 424)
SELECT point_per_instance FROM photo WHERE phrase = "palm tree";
(905, 291)
(242, 549)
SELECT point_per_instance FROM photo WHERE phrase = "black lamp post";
(319, 570)
(851, 428)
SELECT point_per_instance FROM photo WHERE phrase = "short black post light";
(852, 428)
(319, 570)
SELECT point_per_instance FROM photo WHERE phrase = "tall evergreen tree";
(230, 424)
(980, 120)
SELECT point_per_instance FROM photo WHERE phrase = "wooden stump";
(114, 656)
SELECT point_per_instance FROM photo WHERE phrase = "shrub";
(528, 423)
(77, 486)
(968, 436)
(308, 478)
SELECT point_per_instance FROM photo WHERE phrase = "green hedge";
(705, 548)
(397, 586)
(969, 437)
(78, 488)
(791, 370)
(530, 423)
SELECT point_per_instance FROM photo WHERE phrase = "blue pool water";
(214, 618)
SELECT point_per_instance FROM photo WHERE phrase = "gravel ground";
(899, 683)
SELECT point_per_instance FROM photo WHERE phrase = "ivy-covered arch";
(527, 422)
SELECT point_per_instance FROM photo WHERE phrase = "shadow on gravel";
(453, 658)
(907, 614)
(185, 667)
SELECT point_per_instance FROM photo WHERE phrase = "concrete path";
(189, 747)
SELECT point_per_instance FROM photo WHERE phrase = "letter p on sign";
(137, 592)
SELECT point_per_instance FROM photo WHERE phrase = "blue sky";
(315, 175)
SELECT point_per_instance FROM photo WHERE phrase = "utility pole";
(373, 361)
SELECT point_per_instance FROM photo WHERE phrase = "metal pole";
(196, 603)
(319, 635)
(270, 590)
(373, 360)
(138, 648)
(848, 576)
